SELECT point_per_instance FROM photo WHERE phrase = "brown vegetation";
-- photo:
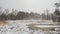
(3, 22)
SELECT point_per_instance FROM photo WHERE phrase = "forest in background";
(6, 14)
(16, 15)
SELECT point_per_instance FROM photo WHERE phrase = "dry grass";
(3, 22)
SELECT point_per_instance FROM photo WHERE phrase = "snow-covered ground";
(20, 27)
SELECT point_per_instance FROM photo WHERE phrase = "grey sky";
(29, 5)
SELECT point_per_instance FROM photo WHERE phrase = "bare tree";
(1, 10)
(6, 11)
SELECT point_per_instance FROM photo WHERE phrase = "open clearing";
(21, 26)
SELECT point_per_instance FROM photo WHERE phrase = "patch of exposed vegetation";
(3, 22)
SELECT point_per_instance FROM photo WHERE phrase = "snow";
(14, 28)
(18, 27)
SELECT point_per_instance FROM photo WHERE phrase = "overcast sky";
(29, 5)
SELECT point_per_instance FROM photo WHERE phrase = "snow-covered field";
(21, 27)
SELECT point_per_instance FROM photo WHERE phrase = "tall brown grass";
(3, 22)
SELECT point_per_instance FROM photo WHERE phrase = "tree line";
(20, 15)
(14, 15)
(6, 14)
